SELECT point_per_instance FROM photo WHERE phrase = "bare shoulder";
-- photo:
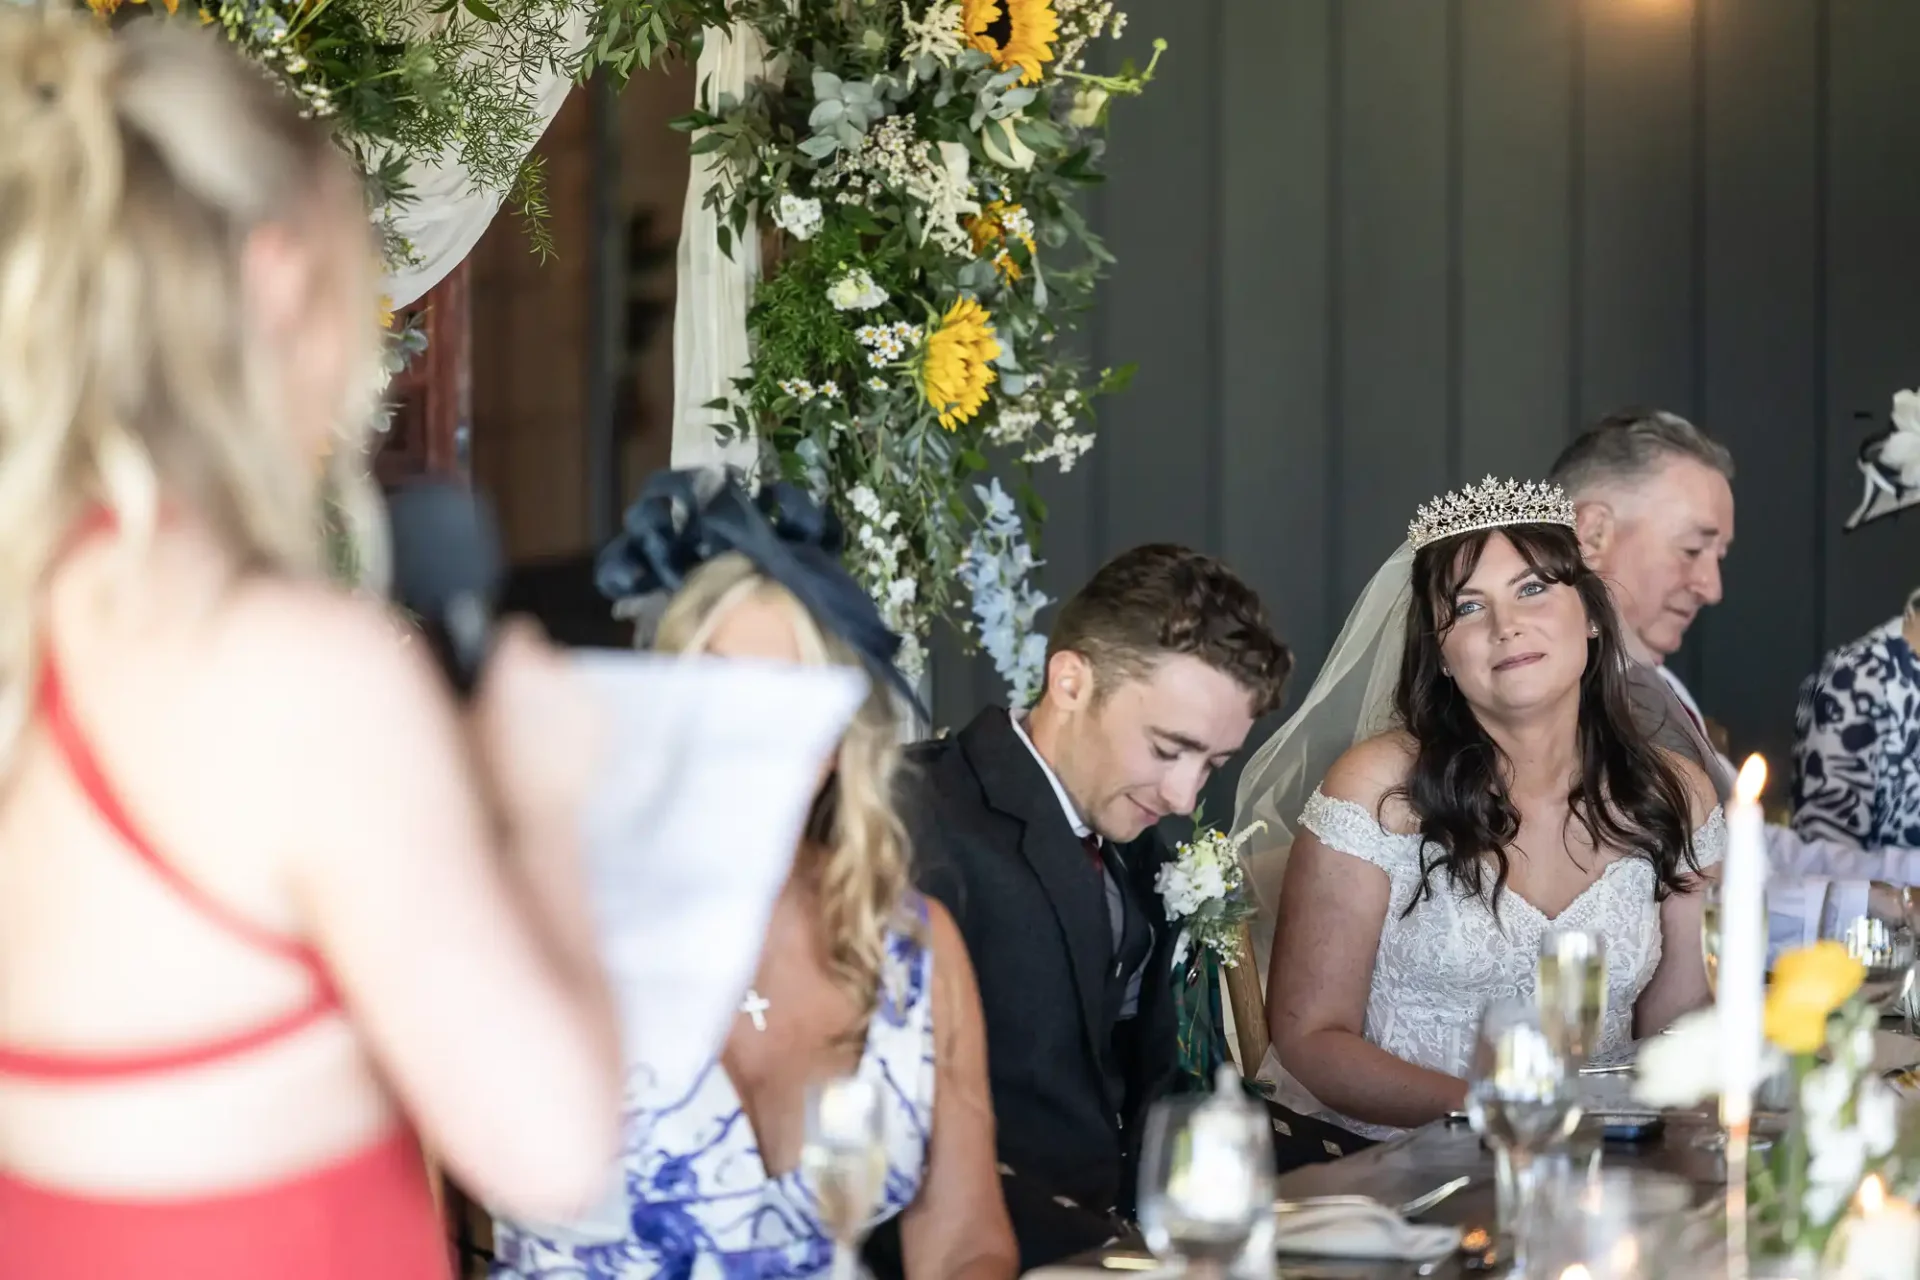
(305, 647)
(1370, 772)
(944, 939)
(341, 682)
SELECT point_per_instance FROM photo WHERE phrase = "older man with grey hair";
(1653, 504)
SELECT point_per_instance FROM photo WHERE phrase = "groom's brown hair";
(1150, 603)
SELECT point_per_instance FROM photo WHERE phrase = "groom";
(1036, 830)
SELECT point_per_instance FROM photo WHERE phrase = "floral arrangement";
(1845, 1125)
(911, 168)
(994, 571)
(406, 83)
(1204, 892)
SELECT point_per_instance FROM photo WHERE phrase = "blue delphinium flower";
(996, 569)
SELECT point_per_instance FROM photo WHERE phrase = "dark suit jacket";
(1070, 1085)
(1665, 720)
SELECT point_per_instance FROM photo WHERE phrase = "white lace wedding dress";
(1437, 967)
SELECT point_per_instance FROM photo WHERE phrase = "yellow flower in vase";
(1809, 983)
(1030, 27)
(957, 365)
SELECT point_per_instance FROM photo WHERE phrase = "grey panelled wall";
(1372, 248)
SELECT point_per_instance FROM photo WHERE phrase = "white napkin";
(691, 830)
(1358, 1229)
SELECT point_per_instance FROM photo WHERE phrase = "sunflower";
(957, 368)
(995, 225)
(1031, 30)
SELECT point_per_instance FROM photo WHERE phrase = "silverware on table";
(1411, 1208)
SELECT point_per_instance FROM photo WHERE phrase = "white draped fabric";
(449, 213)
(713, 290)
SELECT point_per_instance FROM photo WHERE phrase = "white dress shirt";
(1116, 899)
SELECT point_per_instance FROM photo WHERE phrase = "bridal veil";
(1351, 700)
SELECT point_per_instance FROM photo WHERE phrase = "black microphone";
(447, 569)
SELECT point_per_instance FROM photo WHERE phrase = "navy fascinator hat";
(685, 518)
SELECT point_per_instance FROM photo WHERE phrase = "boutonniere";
(1204, 892)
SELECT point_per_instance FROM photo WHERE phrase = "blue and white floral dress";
(699, 1201)
(1856, 749)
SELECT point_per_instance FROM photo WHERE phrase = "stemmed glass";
(1206, 1177)
(1880, 935)
(1616, 1224)
(1521, 1099)
(1571, 983)
(844, 1162)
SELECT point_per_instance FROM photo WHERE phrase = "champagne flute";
(1571, 983)
(1521, 1100)
(1206, 1177)
(843, 1160)
(1710, 936)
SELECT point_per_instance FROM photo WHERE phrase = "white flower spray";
(1204, 892)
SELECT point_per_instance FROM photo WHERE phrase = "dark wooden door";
(434, 396)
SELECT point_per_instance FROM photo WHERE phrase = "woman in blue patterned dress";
(1856, 747)
(860, 975)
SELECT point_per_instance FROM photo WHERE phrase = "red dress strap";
(84, 765)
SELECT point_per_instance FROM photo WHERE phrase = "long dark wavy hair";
(1629, 794)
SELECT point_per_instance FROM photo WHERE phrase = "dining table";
(1422, 1160)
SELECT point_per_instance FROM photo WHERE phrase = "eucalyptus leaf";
(853, 93)
(820, 146)
(826, 111)
(825, 84)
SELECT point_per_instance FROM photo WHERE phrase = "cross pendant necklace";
(755, 1006)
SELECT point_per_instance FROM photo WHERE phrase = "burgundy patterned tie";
(1091, 843)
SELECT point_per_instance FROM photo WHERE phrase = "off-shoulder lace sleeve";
(1348, 827)
(1710, 841)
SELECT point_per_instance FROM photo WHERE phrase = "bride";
(1492, 789)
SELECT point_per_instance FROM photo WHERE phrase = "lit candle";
(1743, 942)
(1880, 1239)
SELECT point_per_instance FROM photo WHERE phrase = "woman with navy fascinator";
(861, 978)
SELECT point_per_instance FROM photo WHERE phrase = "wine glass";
(843, 1160)
(1614, 1224)
(1521, 1099)
(1206, 1177)
(1571, 983)
(1878, 933)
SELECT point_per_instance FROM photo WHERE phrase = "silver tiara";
(1491, 504)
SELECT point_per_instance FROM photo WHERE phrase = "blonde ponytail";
(134, 167)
